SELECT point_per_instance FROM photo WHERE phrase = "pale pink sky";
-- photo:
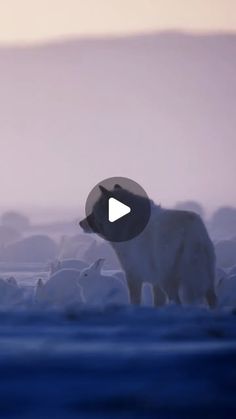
(37, 20)
(157, 109)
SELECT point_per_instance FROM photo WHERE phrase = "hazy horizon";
(30, 21)
(62, 145)
(135, 88)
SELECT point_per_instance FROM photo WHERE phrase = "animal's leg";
(211, 298)
(135, 291)
(172, 288)
(211, 263)
(174, 297)
(195, 280)
(160, 297)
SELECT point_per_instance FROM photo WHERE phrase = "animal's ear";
(85, 225)
(40, 283)
(117, 186)
(104, 191)
(97, 266)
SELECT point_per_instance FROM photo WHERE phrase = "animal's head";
(97, 221)
(91, 273)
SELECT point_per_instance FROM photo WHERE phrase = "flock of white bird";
(72, 282)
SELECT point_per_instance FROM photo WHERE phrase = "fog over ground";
(159, 109)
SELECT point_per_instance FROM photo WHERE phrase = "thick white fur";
(61, 289)
(174, 254)
(100, 289)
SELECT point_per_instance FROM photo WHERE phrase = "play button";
(117, 209)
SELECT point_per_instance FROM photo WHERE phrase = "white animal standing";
(173, 253)
(176, 257)
(62, 289)
(100, 289)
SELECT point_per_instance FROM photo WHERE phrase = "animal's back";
(62, 277)
(62, 285)
(152, 255)
(174, 221)
(174, 248)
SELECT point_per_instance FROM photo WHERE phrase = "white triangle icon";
(116, 210)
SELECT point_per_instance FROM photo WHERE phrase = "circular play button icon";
(117, 209)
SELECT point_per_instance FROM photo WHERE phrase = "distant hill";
(158, 108)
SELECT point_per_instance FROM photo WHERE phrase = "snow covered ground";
(130, 362)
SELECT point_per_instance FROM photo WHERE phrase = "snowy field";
(130, 362)
(88, 362)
